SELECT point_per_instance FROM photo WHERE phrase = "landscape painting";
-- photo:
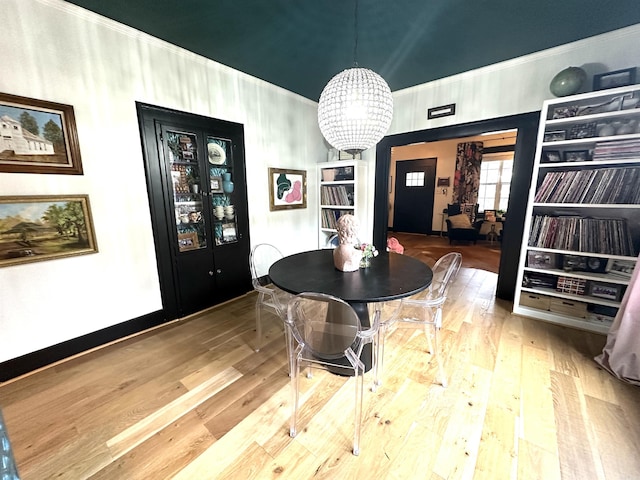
(37, 136)
(37, 228)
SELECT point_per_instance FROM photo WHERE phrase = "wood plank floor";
(192, 400)
(484, 255)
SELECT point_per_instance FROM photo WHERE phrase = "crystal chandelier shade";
(355, 110)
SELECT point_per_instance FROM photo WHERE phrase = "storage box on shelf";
(343, 189)
(582, 229)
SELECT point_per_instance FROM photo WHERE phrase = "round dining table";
(390, 276)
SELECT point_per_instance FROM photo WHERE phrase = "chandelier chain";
(356, 106)
(355, 34)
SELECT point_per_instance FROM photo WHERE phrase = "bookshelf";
(343, 189)
(582, 228)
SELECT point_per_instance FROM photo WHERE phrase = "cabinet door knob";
(218, 271)
(210, 273)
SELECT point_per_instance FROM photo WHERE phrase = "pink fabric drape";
(621, 354)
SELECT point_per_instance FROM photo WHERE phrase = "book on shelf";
(336, 195)
(330, 217)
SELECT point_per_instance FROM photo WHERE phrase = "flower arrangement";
(368, 252)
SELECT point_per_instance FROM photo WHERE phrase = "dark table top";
(390, 276)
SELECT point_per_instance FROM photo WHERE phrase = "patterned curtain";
(467, 178)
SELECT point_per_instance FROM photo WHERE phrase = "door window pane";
(414, 179)
(182, 157)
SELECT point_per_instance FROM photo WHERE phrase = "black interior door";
(197, 192)
(414, 190)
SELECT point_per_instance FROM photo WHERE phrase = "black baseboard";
(32, 361)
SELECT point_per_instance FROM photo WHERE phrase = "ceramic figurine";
(346, 257)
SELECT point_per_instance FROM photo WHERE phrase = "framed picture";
(349, 156)
(344, 173)
(37, 228)
(586, 130)
(605, 290)
(576, 156)
(554, 136)
(188, 241)
(617, 78)
(551, 156)
(216, 185)
(38, 137)
(621, 268)
(565, 112)
(489, 215)
(229, 232)
(287, 189)
(542, 260)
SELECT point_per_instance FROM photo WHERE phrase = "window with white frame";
(495, 182)
(414, 179)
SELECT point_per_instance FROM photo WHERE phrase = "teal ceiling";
(300, 44)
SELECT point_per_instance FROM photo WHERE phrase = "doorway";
(414, 190)
(527, 126)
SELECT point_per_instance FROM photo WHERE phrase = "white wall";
(56, 51)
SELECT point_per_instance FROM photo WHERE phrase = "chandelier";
(356, 107)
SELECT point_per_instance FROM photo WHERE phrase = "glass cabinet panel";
(187, 190)
(221, 184)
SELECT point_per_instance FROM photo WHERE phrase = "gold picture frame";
(38, 228)
(37, 136)
(188, 241)
(287, 189)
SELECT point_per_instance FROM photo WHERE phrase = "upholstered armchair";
(460, 228)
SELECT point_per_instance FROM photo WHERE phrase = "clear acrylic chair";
(424, 308)
(325, 331)
(270, 297)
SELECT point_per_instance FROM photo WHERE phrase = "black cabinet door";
(197, 192)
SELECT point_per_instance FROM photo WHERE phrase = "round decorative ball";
(355, 110)
(568, 81)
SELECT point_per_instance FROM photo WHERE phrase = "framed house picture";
(37, 136)
(37, 228)
(287, 189)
